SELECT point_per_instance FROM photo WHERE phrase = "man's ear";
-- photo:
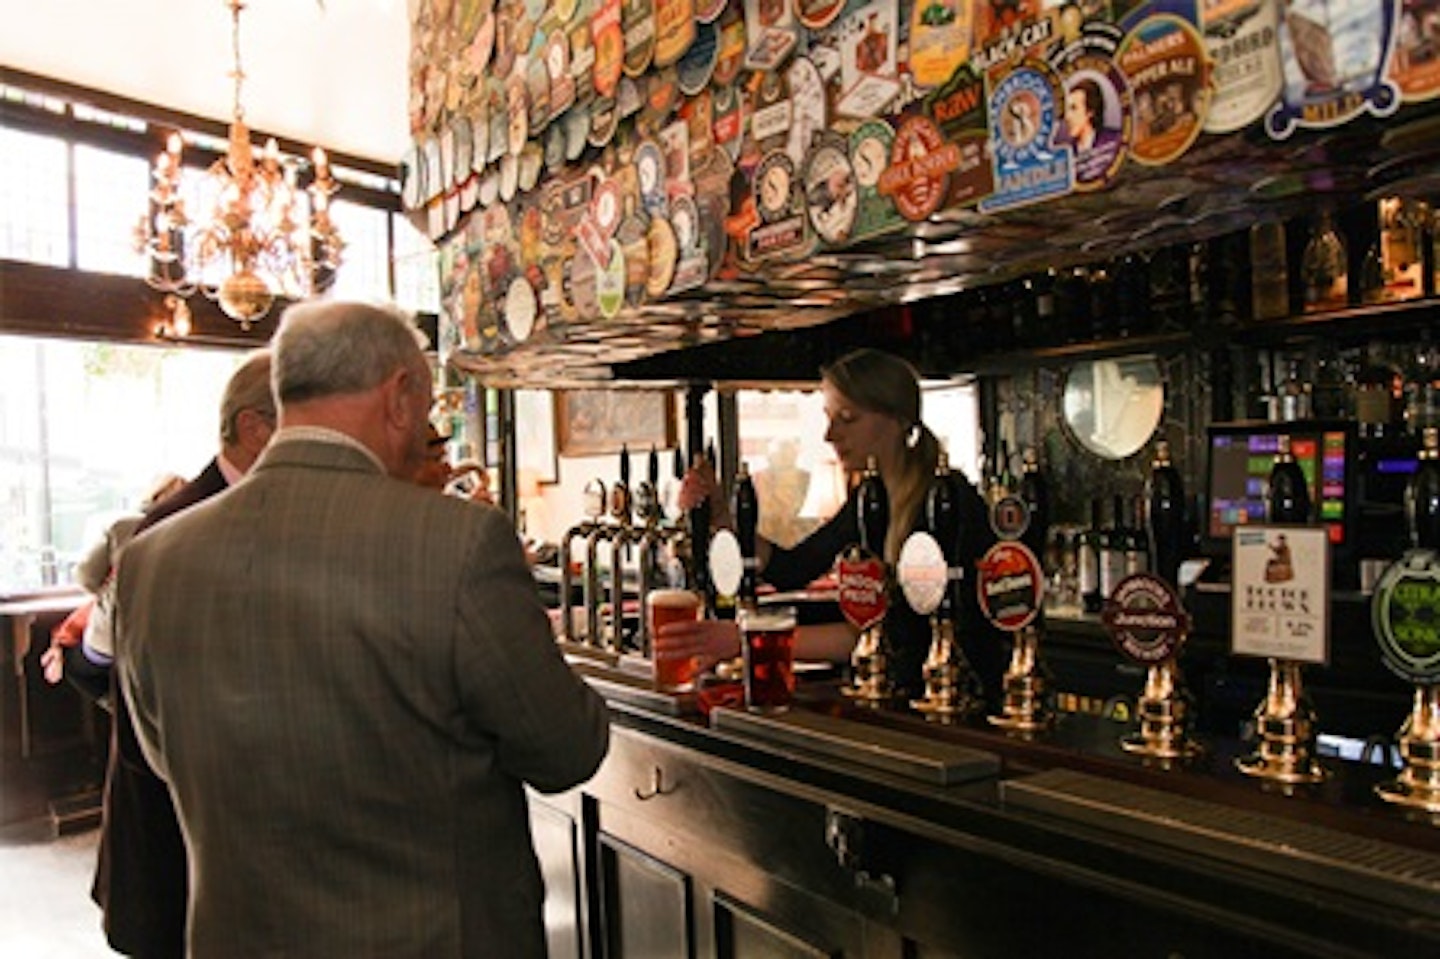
(397, 396)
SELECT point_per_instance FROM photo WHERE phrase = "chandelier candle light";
(260, 240)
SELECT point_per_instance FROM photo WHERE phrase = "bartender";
(872, 404)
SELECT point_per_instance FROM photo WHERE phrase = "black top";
(909, 632)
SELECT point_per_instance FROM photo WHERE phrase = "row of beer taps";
(639, 537)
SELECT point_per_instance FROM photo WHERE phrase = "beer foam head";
(674, 598)
(768, 618)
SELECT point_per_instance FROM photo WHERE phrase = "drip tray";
(1325, 857)
(915, 757)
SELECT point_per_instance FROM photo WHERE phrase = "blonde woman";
(872, 405)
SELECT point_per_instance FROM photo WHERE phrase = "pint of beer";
(662, 607)
(767, 641)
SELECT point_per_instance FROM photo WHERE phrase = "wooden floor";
(46, 912)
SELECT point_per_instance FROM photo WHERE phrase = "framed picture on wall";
(592, 422)
(535, 435)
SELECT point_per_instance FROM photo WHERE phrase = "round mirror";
(1112, 406)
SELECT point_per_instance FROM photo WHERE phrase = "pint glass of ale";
(767, 642)
(662, 607)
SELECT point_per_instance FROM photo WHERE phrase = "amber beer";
(767, 640)
(665, 606)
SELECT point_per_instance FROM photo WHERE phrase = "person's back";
(345, 702)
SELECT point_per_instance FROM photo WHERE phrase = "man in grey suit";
(347, 680)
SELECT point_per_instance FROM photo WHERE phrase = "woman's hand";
(700, 485)
(707, 640)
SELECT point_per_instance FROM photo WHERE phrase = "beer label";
(831, 200)
(939, 39)
(727, 566)
(770, 32)
(1164, 60)
(922, 573)
(862, 581)
(1029, 167)
(1280, 593)
(637, 22)
(959, 110)
(1010, 586)
(697, 66)
(1096, 107)
(520, 309)
(1241, 38)
(610, 282)
(921, 161)
(1334, 63)
(1145, 619)
(869, 66)
(1405, 613)
(662, 253)
(674, 30)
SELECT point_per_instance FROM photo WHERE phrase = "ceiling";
(331, 72)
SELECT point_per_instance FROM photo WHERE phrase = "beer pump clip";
(1010, 587)
(1148, 624)
(1280, 609)
(865, 584)
(930, 577)
(1405, 613)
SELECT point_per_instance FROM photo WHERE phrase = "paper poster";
(1280, 593)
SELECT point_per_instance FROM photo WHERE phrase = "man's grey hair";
(332, 347)
(248, 389)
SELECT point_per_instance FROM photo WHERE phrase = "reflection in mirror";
(1112, 406)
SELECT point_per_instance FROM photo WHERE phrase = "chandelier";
(261, 237)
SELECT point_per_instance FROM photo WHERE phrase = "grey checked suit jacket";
(345, 680)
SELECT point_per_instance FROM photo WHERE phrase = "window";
(365, 271)
(34, 198)
(417, 269)
(85, 428)
(110, 191)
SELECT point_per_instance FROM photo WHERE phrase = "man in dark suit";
(347, 681)
(140, 878)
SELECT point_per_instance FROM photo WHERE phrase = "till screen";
(1240, 471)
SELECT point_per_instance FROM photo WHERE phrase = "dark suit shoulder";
(206, 484)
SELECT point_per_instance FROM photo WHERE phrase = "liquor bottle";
(1132, 296)
(1270, 283)
(1165, 514)
(1324, 267)
(1422, 387)
(1035, 493)
(1135, 544)
(1330, 389)
(745, 510)
(1372, 276)
(1379, 395)
(1103, 324)
(1402, 224)
(1087, 564)
(873, 508)
(1287, 497)
(1293, 394)
(1169, 289)
(1112, 549)
(1072, 305)
(1422, 494)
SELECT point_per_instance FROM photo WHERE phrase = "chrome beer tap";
(951, 687)
(623, 534)
(594, 510)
